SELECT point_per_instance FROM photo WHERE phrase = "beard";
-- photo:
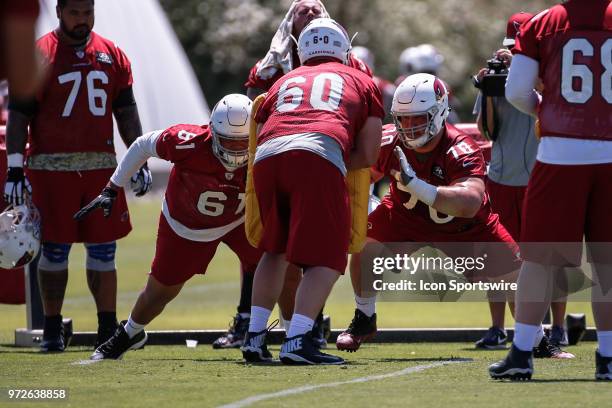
(78, 33)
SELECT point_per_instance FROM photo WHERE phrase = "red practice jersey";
(11, 9)
(201, 192)
(573, 44)
(255, 81)
(456, 156)
(328, 98)
(75, 105)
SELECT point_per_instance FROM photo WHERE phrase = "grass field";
(203, 377)
(413, 375)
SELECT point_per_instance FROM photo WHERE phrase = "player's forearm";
(128, 123)
(521, 83)
(16, 132)
(458, 201)
(139, 152)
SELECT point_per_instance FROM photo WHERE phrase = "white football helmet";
(19, 235)
(323, 37)
(420, 95)
(423, 58)
(229, 124)
(364, 55)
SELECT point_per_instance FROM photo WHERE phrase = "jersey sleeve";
(387, 143)
(356, 63)
(124, 71)
(374, 100)
(177, 143)
(464, 159)
(266, 108)
(528, 38)
(21, 8)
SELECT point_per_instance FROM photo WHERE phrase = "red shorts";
(58, 195)
(507, 203)
(177, 259)
(563, 204)
(304, 208)
(503, 256)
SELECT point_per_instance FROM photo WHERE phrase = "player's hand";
(105, 200)
(141, 181)
(406, 173)
(17, 185)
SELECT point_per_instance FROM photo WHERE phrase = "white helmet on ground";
(19, 235)
(323, 37)
(420, 95)
(229, 124)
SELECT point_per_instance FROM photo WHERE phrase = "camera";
(493, 83)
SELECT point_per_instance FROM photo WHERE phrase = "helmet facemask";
(417, 135)
(224, 149)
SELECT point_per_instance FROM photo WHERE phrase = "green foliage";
(224, 38)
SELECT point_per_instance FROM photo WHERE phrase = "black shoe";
(518, 365)
(234, 338)
(255, 349)
(105, 333)
(119, 344)
(361, 329)
(546, 349)
(303, 350)
(558, 336)
(53, 340)
(321, 331)
(603, 367)
(494, 339)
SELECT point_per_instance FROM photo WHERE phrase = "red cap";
(514, 24)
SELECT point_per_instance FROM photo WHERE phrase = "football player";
(316, 122)
(203, 206)
(280, 59)
(70, 157)
(437, 196)
(568, 46)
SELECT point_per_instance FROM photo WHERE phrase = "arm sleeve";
(521, 82)
(138, 153)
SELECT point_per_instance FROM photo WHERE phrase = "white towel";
(280, 55)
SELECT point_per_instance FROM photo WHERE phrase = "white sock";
(525, 336)
(245, 315)
(366, 305)
(132, 328)
(604, 338)
(300, 324)
(286, 324)
(259, 318)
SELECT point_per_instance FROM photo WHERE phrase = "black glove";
(105, 200)
(141, 181)
(16, 186)
(406, 173)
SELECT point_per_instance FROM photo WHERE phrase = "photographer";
(512, 158)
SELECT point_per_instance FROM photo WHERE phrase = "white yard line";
(306, 388)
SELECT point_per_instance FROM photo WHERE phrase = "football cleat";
(361, 329)
(548, 350)
(119, 344)
(255, 349)
(234, 338)
(105, 333)
(518, 365)
(603, 367)
(53, 342)
(302, 350)
(494, 339)
(558, 336)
